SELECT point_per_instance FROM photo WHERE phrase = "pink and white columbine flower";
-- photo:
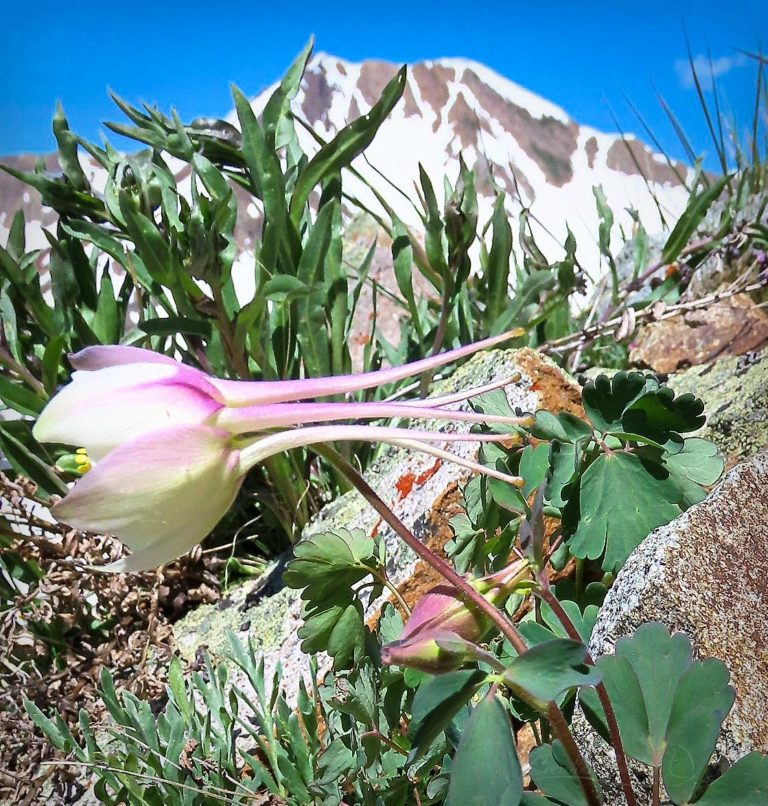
(170, 445)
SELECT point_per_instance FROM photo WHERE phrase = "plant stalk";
(508, 630)
(602, 693)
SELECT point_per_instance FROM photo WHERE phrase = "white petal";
(161, 494)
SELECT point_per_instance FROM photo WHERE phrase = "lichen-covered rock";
(705, 574)
(421, 491)
(733, 326)
(735, 395)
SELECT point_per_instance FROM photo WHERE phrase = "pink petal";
(244, 393)
(101, 409)
(112, 355)
(273, 415)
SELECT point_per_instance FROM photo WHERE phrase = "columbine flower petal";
(246, 393)
(114, 355)
(160, 493)
(274, 415)
(101, 410)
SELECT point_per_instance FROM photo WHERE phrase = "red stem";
(602, 693)
(508, 630)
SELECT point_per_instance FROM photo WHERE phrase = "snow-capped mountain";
(510, 136)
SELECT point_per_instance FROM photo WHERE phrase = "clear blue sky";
(584, 56)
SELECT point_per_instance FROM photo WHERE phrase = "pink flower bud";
(443, 614)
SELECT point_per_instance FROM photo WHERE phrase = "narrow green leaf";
(691, 218)
(17, 397)
(351, 141)
(496, 273)
(171, 325)
(25, 463)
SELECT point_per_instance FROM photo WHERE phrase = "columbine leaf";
(547, 670)
(745, 782)
(620, 502)
(638, 408)
(702, 700)
(554, 776)
(330, 561)
(534, 464)
(668, 707)
(605, 399)
(486, 768)
(659, 414)
(334, 626)
(535, 633)
(698, 463)
(437, 702)
(326, 566)
(563, 426)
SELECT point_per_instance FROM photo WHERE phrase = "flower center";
(82, 461)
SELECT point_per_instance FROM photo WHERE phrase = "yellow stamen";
(82, 462)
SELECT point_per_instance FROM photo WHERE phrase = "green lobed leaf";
(698, 463)
(548, 669)
(562, 426)
(668, 707)
(744, 783)
(620, 502)
(702, 700)
(553, 774)
(486, 769)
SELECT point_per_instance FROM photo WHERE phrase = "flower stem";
(385, 581)
(610, 715)
(508, 630)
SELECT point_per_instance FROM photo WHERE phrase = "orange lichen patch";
(424, 576)
(427, 474)
(404, 484)
(556, 391)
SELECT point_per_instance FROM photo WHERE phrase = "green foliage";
(437, 702)
(550, 668)
(327, 566)
(620, 503)
(669, 708)
(189, 753)
(486, 768)
(553, 773)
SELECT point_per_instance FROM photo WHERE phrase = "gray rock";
(705, 574)
(261, 611)
(735, 395)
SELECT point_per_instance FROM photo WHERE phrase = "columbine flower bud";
(441, 632)
(434, 653)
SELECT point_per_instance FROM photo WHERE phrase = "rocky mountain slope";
(511, 137)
